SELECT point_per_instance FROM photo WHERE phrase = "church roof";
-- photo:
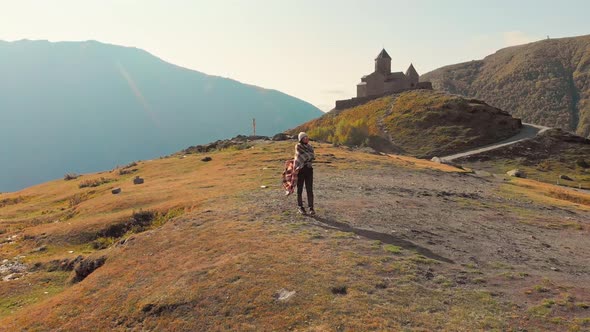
(411, 71)
(395, 76)
(383, 55)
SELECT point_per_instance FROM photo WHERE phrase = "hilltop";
(86, 106)
(398, 243)
(421, 123)
(545, 82)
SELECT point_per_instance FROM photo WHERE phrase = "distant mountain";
(545, 82)
(87, 106)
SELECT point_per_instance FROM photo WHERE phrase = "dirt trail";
(527, 132)
(461, 220)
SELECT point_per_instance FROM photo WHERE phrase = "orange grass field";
(224, 262)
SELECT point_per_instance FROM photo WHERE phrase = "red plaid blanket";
(289, 177)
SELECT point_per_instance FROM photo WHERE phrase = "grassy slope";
(543, 158)
(422, 123)
(220, 265)
(546, 82)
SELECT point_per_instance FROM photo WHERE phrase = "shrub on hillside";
(94, 182)
(71, 176)
(125, 171)
(132, 164)
(351, 134)
(322, 134)
(76, 199)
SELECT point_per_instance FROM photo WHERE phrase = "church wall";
(361, 90)
(375, 84)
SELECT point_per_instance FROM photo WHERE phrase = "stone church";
(383, 81)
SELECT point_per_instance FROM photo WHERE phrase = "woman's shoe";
(311, 212)
(301, 210)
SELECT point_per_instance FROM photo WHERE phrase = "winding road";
(528, 131)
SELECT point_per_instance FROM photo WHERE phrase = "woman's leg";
(300, 180)
(309, 187)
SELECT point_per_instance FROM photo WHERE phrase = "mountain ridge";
(86, 106)
(545, 82)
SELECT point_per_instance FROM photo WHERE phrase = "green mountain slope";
(422, 123)
(87, 106)
(546, 82)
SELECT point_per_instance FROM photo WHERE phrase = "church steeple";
(383, 55)
(383, 63)
(412, 74)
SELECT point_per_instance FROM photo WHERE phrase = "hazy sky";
(314, 50)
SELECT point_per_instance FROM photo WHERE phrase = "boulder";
(283, 295)
(281, 137)
(206, 159)
(40, 249)
(565, 177)
(137, 180)
(116, 191)
(85, 267)
(436, 160)
(516, 173)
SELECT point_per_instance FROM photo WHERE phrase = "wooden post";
(254, 125)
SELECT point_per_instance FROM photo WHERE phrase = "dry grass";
(220, 265)
(420, 123)
(549, 194)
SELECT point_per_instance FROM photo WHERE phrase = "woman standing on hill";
(304, 155)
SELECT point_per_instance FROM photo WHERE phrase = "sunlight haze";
(313, 50)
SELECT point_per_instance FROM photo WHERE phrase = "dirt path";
(454, 216)
(528, 131)
(482, 237)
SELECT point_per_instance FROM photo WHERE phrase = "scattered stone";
(116, 191)
(86, 267)
(445, 162)
(40, 249)
(381, 285)
(339, 290)
(516, 173)
(137, 180)
(206, 159)
(12, 267)
(565, 177)
(12, 276)
(555, 269)
(283, 295)
(281, 137)
(263, 187)
(148, 307)
(240, 141)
